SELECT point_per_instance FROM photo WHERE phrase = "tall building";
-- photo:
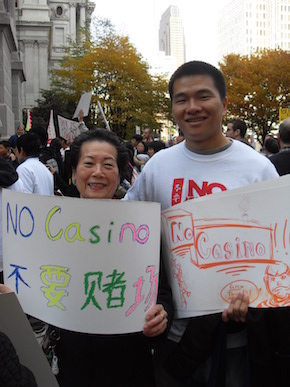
(245, 25)
(171, 35)
(43, 27)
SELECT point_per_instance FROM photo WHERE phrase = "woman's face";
(97, 173)
(150, 152)
(140, 147)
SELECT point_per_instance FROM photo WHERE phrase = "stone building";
(11, 70)
(34, 32)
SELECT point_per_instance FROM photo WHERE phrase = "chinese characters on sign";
(84, 265)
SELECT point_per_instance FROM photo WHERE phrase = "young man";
(34, 174)
(281, 160)
(148, 135)
(206, 162)
(7, 154)
(237, 129)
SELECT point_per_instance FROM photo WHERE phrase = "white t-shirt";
(177, 174)
(35, 176)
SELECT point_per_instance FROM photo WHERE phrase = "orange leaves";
(257, 86)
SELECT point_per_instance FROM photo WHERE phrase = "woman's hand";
(156, 321)
(5, 289)
(50, 168)
(238, 309)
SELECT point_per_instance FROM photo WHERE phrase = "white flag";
(51, 128)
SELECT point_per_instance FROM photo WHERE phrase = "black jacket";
(8, 175)
(268, 348)
(12, 373)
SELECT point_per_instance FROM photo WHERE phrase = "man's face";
(146, 134)
(198, 111)
(4, 152)
(230, 131)
(134, 142)
(20, 131)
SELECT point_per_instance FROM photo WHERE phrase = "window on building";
(59, 10)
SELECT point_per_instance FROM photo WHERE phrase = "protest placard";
(235, 241)
(68, 129)
(84, 265)
(84, 104)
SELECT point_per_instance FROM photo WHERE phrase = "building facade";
(32, 36)
(171, 35)
(11, 70)
(43, 27)
(247, 25)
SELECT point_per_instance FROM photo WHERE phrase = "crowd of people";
(221, 349)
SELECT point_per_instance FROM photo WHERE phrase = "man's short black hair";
(239, 124)
(199, 68)
(30, 143)
(137, 137)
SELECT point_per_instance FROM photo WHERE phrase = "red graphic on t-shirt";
(194, 190)
(177, 191)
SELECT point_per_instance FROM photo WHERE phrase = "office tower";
(248, 25)
(171, 35)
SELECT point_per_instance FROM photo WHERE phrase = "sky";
(140, 21)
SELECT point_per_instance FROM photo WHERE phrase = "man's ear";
(237, 132)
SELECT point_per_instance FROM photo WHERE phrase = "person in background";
(204, 163)
(271, 146)
(154, 147)
(100, 161)
(34, 174)
(237, 130)
(148, 135)
(82, 125)
(64, 147)
(141, 158)
(135, 140)
(46, 153)
(19, 132)
(7, 154)
(180, 137)
(281, 160)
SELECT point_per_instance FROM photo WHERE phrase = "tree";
(257, 86)
(110, 66)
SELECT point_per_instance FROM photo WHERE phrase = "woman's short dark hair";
(156, 145)
(101, 135)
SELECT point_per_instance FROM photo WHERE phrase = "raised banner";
(82, 264)
(235, 241)
(68, 129)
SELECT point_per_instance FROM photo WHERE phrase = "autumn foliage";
(110, 66)
(257, 86)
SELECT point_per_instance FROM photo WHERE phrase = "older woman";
(99, 161)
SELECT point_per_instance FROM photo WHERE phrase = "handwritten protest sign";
(84, 265)
(230, 242)
(68, 129)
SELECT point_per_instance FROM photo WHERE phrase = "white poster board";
(84, 265)
(68, 129)
(84, 104)
(235, 241)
